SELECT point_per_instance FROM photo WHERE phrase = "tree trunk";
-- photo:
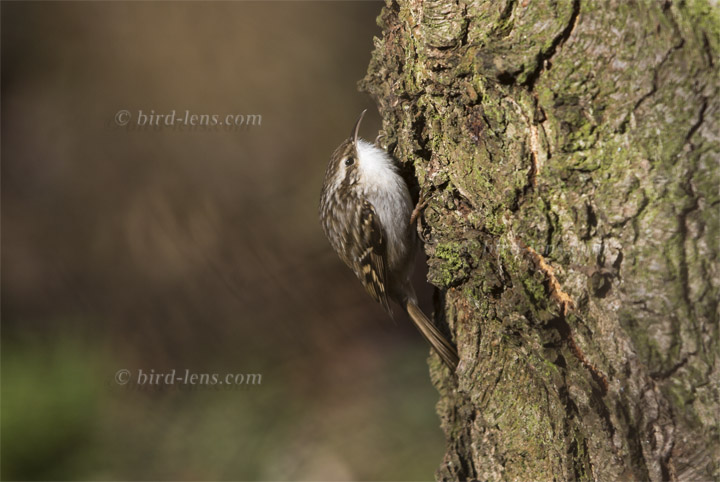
(568, 153)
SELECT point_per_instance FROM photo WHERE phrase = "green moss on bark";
(568, 152)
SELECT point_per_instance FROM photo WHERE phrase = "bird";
(365, 211)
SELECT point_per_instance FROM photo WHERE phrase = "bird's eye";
(349, 161)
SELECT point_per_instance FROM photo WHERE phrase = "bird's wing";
(369, 264)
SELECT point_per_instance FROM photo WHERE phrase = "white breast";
(387, 192)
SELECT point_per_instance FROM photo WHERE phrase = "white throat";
(375, 164)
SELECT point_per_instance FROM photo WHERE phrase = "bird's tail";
(436, 339)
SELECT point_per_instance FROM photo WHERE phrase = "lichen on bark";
(569, 156)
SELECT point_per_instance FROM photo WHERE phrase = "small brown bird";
(365, 210)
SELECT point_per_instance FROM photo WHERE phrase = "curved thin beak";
(357, 127)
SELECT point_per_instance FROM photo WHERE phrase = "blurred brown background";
(192, 248)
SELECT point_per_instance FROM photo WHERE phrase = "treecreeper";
(365, 211)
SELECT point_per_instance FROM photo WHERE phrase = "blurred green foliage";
(50, 403)
(65, 418)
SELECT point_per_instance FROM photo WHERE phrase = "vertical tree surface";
(567, 153)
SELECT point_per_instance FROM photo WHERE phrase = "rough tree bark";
(568, 152)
